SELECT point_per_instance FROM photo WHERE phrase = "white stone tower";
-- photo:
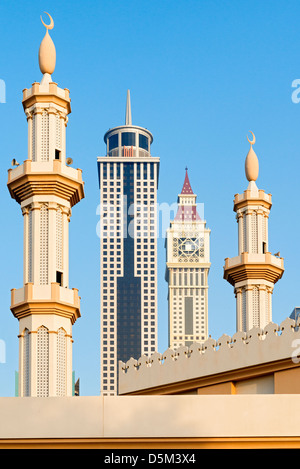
(46, 188)
(255, 270)
(187, 268)
(128, 179)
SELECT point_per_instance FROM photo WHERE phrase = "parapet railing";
(274, 342)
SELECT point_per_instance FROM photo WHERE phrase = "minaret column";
(36, 145)
(239, 308)
(254, 271)
(248, 222)
(32, 365)
(263, 304)
(52, 362)
(52, 210)
(29, 121)
(46, 189)
(25, 212)
(35, 242)
(51, 111)
(260, 240)
(239, 218)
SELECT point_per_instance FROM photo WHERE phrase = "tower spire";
(128, 120)
(186, 189)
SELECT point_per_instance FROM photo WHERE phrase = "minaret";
(46, 187)
(128, 178)
(255, 270)
(187, 268)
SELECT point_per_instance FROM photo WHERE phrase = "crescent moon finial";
(251, 163)
(253, 140)
(47, 53)
(48, 26)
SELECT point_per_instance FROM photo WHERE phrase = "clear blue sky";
(201, 74)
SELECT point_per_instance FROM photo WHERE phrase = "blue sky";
(201, 75)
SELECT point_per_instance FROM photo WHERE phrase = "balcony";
(45, 177)
(253, 266)
(47, 299)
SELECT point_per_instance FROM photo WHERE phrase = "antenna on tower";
(128, 120)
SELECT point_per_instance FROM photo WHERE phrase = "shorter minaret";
(46, 187)
(255, 270)
(187, 268)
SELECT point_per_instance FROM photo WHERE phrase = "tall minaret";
(128, 177)
(255, 270)
(46, 188)
(187, 268)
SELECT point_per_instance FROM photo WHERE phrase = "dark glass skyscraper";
(128, 179)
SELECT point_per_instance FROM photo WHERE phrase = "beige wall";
(142, 421)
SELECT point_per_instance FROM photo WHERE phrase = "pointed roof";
(187, 212)
(186, 189)
(128, 120)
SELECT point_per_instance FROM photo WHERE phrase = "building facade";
(187, 269)
(128, 179)
(255, 270)
(46, 188)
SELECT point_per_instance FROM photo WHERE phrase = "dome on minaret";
(47, 52)
(251, 163)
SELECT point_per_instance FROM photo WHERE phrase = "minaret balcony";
(50, 92)
(45, 299)
(252, 198)
(252, 266)
(47, 177)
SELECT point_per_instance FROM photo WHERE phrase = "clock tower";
(188, 264)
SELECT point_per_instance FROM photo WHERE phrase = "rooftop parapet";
(256, 347)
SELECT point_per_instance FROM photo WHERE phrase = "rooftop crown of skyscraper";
(128, 140)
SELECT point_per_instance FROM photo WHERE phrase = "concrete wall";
(132, 418)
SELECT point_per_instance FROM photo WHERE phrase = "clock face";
(188, 249)
(189, 245)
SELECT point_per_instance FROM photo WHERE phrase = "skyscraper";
(128, 179)
(254, 271)
(187, 268)
(46, 187)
